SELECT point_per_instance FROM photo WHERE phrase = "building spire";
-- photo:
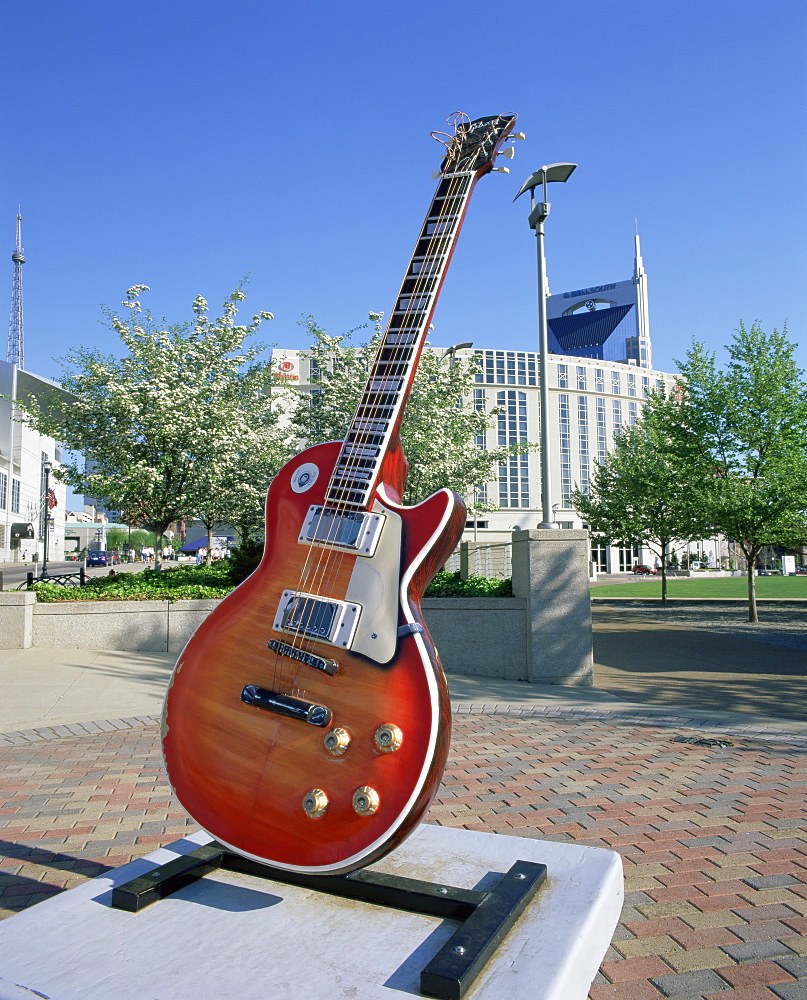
(16, 353)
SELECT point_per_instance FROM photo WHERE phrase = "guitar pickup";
(317, 617)
(327, 666)
(357, 531)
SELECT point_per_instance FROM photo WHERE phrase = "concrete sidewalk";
(667, 760)
(699, 663)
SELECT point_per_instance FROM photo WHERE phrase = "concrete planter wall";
(542, 635)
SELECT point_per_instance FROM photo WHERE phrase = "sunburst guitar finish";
(307, 721)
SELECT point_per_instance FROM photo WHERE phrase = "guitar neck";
(378, 416)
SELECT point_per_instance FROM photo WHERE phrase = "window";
(617, 404)
(645, 386)
(633, 413)
(602, 438)
(563, 376)
(506, 368)
(599, 556)
(631, 385)
(581, 379)
(582, 438)
(514, 480)
(599, 380)
(480, 401)
(3, 490)
(565, 434)
(628, 557)
(15, 496)
(616, 383)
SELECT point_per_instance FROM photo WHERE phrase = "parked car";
(103, 557)
(801, 570)
(645, 570)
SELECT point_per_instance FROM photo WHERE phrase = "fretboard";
(380, 409)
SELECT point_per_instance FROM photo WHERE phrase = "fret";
(358, 451)
(394, 354)
(417, 303)
(374, 426)
(358, 437)
(385, 384)
(439, 226)
(375, 412)
(404, 338)
(412, 314)
(358, 475)
(421, 285)
(356, 463)
(379, 398)
(426, 265)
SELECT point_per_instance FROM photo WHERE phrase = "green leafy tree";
(750, 426)
(440, 425)
(641, 493)
(154, 422)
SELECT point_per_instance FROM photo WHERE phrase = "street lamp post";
(46, 518)
(539, 210)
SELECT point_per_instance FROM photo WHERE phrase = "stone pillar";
(16, 619)
(550, 572)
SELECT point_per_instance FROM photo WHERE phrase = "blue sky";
(185, 144)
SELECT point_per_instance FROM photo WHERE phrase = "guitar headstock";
(474, 145)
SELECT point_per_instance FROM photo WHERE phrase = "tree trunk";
(751, 560)
(663, 572)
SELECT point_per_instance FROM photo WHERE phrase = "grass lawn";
(735, 586)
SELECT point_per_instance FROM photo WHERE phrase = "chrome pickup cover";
(317, 617)
(355, 530)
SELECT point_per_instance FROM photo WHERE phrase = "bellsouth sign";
(589, 291)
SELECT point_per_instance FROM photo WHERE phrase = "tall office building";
(607, 322)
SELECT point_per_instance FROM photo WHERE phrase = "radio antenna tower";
(16, 353)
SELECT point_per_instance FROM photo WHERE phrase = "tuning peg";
(517, 135)
(508, 153)
(436, 174)
(502, 170)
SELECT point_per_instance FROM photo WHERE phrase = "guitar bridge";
(317, 617)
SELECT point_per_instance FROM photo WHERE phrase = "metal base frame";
(485, 917)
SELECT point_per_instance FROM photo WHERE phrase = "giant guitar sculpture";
(307, 721)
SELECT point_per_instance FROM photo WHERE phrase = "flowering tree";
(441, 425)
(162, 427)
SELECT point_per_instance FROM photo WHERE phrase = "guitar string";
(318, 574)
(330, 562)
(439, 246)
(313, 577)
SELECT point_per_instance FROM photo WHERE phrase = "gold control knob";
(315, 803)
(337, 741)
(365, 800)
(388, 738)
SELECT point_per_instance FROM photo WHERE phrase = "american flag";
(51, 498)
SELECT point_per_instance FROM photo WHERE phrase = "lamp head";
(547, 174)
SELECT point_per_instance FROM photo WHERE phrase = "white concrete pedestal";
(237, 937)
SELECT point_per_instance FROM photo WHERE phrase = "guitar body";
(242, 772)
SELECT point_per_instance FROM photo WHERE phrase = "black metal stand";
(486, 917)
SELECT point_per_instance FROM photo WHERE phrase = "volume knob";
(337, 741)
(315, 803)
(388, 738)
(365, 800)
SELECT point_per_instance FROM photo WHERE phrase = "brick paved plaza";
(713, 838)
